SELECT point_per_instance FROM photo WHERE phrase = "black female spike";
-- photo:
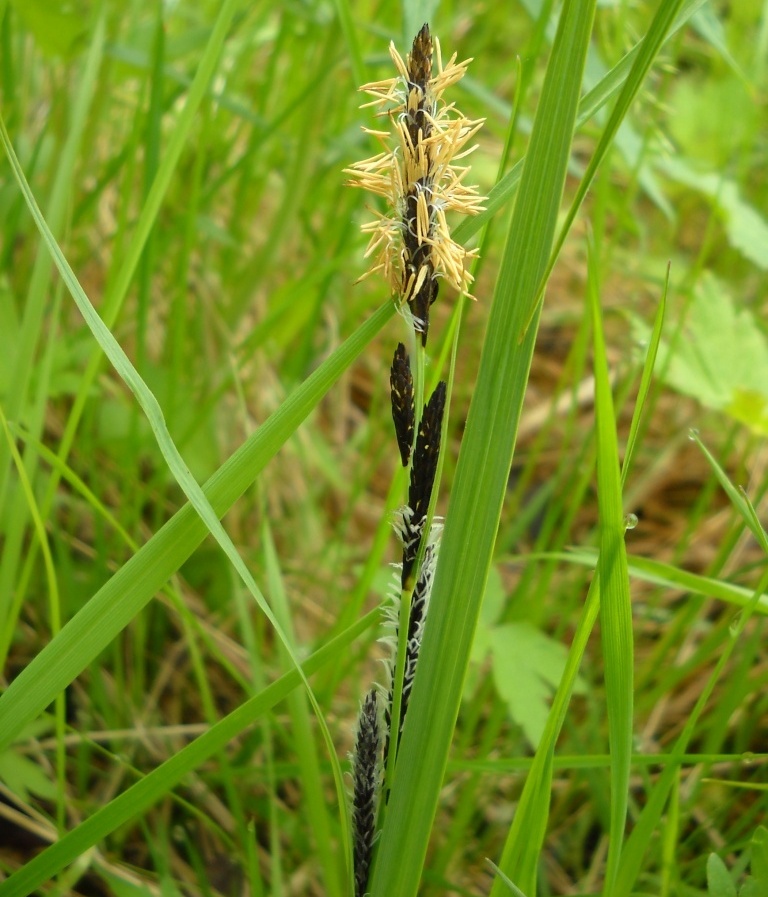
(403, 407)
(422, 478)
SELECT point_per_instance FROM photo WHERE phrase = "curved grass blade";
(137, 581)
(171, 454)
(160, 781)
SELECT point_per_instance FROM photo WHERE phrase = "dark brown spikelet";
(420, 60)
(366, 778)
(403, 408)
(419, 280)
(423, 472)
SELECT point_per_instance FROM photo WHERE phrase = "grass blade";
(482, 472)
(134, 585)
(645, 382)
(616, 609)
(160, 781)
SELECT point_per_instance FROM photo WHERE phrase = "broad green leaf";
(58, 26)
(721, 358)
(701, 105)
(24, 777)
(719, 881)
(527, 667)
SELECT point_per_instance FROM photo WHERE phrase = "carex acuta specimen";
(418, 175)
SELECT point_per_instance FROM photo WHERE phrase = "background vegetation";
(187, 159)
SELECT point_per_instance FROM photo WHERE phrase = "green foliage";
(745, 228)
(718, 355)
(719, 880)
(198, 473)
(527, 664)
(59, 28)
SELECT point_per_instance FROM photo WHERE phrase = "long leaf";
(616, 610)
(160, 781)
(482, 472)
(134, 584)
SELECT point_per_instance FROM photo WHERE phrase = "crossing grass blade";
(522, 851)
(171, 454)
(667, 576)
(156, 784)
(134, 585)
(616, 609)
(649, 819)
(482, 471)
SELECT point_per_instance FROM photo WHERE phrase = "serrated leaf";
(494, 600)
(527, 667)
(721, 358)
(719, 882)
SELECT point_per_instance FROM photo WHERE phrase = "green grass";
(183, 342)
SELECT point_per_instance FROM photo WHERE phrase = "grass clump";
(588, 709)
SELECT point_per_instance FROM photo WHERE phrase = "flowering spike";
(403, 410)
(416, 620)
(411, 243)
(366, 781)
(419, 606)
(422, 479)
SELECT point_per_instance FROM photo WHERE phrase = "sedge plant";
(181, 180)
